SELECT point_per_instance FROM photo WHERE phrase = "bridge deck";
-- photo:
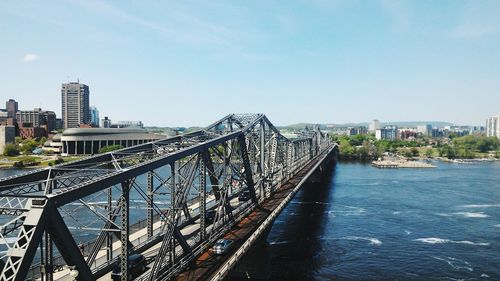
(207, 263)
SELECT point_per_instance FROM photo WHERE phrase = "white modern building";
(54, 145)
(128, 124)
(425, 130)
(493, 126)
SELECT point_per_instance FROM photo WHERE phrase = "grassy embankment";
(34, 161)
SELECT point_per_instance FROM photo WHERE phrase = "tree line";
(367, 147)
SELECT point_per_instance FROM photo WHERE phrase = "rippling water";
(365, 223)
(10, 172)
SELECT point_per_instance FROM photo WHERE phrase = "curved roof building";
(86, 141)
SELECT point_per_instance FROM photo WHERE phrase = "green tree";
(363, 153)
(407, 153)
(477, 143)
(10, 150)
(383, 146)
(372, 149)
(463, 152)
(346, 149)
(447, 151)
(428, 152)
(42, 140)
(110, 148)
(28, 146)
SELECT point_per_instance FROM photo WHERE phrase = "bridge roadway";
(141, 235)
(215, 267)
(190, 231)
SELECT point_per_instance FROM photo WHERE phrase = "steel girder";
(177, 178)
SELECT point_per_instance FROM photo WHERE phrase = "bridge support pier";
(319, 174)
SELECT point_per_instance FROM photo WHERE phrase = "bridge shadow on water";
(292, 249)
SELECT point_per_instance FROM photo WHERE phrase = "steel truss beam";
(238, 152)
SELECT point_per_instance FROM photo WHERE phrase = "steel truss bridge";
(81, 219)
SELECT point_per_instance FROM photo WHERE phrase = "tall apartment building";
(374, 126)
(493, 126)
(75, 104)
(387, 133)
(11, 106)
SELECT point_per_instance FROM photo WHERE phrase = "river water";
(365, 223)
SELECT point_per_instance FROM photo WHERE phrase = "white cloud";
(30, 57)
(182, 27)
(472, 31)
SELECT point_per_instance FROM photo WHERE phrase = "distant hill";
(409, 124)
(171, 131)
(347, 125)
(298, 126)
(414, 124)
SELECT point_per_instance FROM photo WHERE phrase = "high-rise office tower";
(75, 104)
(11, 106)
(94, 116)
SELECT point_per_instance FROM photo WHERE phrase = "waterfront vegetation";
(367, 147)
(110, 148)
(21, 146)
(34, 161)
(20, 155)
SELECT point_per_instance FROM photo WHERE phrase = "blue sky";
(189, 63)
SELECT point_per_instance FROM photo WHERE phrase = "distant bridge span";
(81, 219)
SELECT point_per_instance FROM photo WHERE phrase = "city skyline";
(315, 61)
(406, 123)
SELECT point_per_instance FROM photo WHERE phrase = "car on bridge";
(209, 216)
(222, 246)
(136, 266)
(244, 195)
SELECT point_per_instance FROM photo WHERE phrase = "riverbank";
(356, 158)
(466, 161)
(34, 161)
